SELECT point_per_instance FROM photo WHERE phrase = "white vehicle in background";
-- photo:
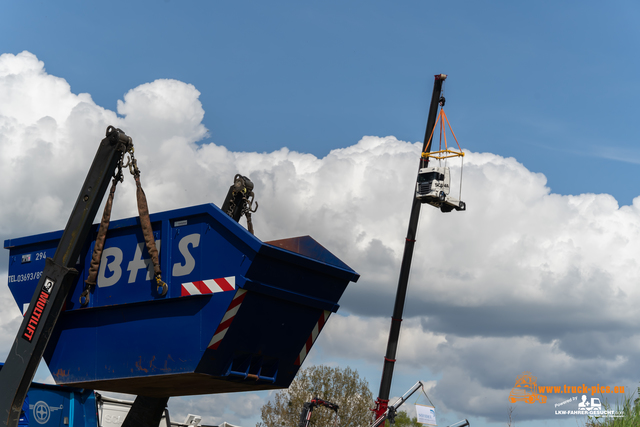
(433, 187)
(112, 412)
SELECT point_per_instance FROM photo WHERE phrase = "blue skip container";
(239, 314)
(57, 406)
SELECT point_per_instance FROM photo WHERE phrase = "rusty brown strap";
(102, 235)
(249, 222)
(145, 223)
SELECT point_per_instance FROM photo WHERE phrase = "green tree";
(344, 387)
(403, 420)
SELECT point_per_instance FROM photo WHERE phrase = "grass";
(629, 408)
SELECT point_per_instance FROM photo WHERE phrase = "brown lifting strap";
(145, 223)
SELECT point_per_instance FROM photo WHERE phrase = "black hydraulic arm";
(239, 200)
(394, 332)
(54, 284)
(307, 409)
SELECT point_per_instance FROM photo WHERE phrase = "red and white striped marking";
(210, 286)
(312, 338)
(227, 319)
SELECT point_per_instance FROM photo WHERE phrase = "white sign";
(426, 414)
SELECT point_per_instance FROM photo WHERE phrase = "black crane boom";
(55, 282)
(382, 401)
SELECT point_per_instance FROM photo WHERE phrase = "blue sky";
(553, 85)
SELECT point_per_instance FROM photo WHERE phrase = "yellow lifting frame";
(443, 154)
(446, 153)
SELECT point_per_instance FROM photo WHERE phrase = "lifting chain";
(247, 209)
(241, 196)
(145, 222)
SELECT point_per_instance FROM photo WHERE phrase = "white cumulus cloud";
(523, 280)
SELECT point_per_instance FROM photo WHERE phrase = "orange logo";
(526, 389)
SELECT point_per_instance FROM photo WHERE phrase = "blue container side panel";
(268, 268)
(263, 341)
(197, 243)
(123, 275)
(168, 337)
(201, 253)
(25, 268)
(51, 406)
(191, 249)
(309, 247)
(236, 317)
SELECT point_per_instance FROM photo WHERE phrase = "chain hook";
(161, 287)
(85, 297)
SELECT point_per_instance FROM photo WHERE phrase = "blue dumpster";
(239, 314)
(58, 406)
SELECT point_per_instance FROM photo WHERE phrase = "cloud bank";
(523, 280)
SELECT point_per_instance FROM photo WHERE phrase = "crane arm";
(56, 280)
(307, 409)
(391, 410)
(394, 332)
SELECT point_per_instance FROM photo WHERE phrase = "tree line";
(343, 387)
